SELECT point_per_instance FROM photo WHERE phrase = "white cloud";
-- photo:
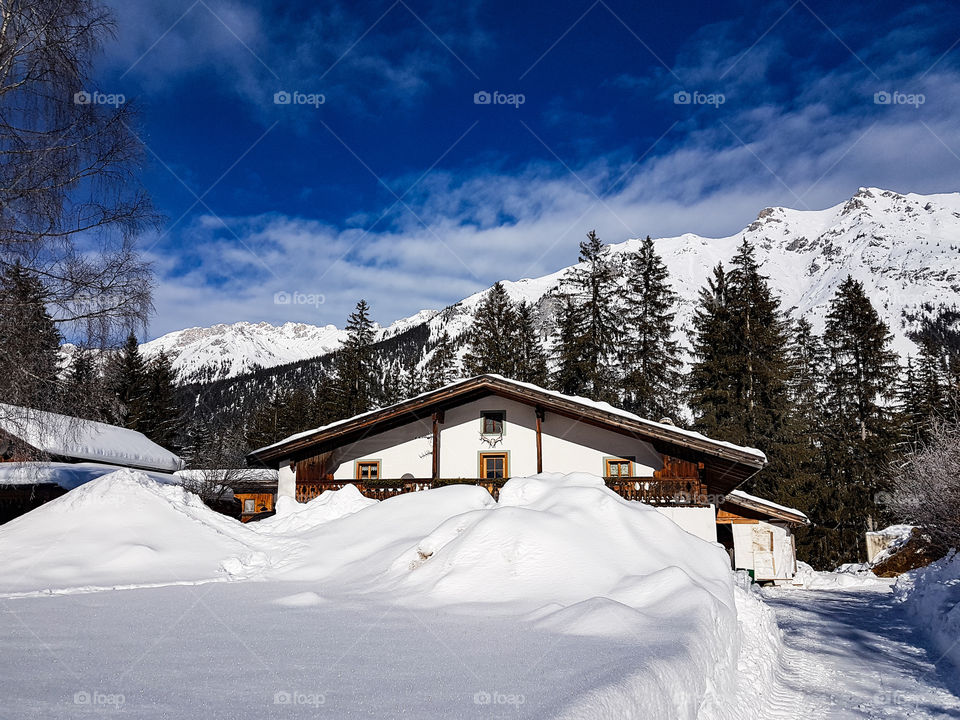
(810, 150)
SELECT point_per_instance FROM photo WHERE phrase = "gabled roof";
(69, 437)
(730, 465)
(767, 507)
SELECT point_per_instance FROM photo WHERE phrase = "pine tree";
(652, 356)
(441, 368)
(129, 382)
(530, 359)
(391, 391)
(162, 413)
(86, 394)
(490, 336)
(354, 365)
(594, 291)
(570, 375)
(711, 379)
(29, 343)
(760, 362)
(800, 458)
(859, 429)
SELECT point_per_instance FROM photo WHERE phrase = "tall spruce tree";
(801, 457)
(570, 374)
(29, 343)
(859, 429)
(652, 356)
(711, 379)
(354, 365)
(530, 359)
(760, 362)
(923, 395)
(441, 368)
(593, 289)
(162, 413)
(82, 387)
(130, 384)
(490, 336)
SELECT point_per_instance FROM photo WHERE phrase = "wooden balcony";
(686, 492)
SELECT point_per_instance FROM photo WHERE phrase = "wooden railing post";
(539, 412)
(437, 420)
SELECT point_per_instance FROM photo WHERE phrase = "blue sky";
(402, 189)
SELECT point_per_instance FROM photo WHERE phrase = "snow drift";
(931, 597)
(122, 529)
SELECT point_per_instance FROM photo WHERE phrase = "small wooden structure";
(758, 534)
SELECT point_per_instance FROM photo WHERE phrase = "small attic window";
(492, 422)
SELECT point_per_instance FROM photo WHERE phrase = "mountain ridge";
(905, 248)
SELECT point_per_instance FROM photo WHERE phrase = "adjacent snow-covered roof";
(67, 475)
(738, 497)
(63, 436)
(663, 428)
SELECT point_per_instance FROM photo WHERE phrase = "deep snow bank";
(120, 529)
(931, 597)
(583, 561)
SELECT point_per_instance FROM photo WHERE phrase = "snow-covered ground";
(855, 654)
(440, 604)
(562, 600)
(931, 598)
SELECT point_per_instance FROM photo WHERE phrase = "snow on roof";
(66, 475)
(602, 406)
(764, 502)
(71, 437)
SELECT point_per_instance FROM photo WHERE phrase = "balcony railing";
(653, 491)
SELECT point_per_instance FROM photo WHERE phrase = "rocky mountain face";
(905, 249)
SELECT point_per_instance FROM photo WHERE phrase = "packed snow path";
(853, 654)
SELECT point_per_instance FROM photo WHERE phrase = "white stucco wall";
(699, 521)
(568, 445)
(403, 450)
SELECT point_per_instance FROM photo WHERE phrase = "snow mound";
(565, 539)
(122, 529)
(583, 561)
(354, 550)
(849, 578)
(931, 597)
(295, 517)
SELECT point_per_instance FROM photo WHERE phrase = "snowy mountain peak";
(904, 248)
